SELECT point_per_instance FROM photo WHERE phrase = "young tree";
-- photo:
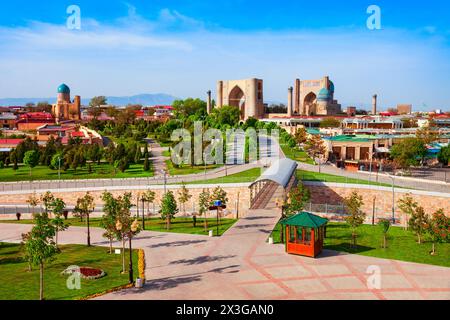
(123, 222)
(84, 207)
(407, 206)
(33, 201)
(112, 208)
(168, 208)
(296, 199)
(149, 198)
(204, 200)
(184, 196)
(31, 159)
(301, 135)
(138, 155)
(438, 229)
(444, 155)
(57, 207)
(384, 225)
(47, 200)
(219, 194)
(418, 222)
(355, 216)
(316, 148)
(40, 247)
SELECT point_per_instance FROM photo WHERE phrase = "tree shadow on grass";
(12, 260)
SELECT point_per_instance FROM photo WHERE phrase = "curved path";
(242, 265)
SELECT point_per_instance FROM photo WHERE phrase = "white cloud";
(184, 57)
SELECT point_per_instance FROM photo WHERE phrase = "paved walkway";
(242, 265)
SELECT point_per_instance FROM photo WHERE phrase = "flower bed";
(85, 272)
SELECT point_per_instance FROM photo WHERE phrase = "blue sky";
(182, 47)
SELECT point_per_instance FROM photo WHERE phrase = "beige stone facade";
(383, 200)
(245, 94)
(238, 198)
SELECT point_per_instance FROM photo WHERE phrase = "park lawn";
(401, 244)
(241, 177)
(186, 169)
(178, 225)
(102, 171)
(17, 283)
(324, 177)
(296, 154)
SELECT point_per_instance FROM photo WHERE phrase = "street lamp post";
(165, 180)
(393, 199)
(133, 229)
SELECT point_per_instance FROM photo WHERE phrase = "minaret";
(208, 102)
(297, 97)
(374, 104)
(290, 100)
(219, 94)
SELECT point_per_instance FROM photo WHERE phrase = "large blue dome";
(63, 89)
(324, 95)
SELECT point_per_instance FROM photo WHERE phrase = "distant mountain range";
(144, 99)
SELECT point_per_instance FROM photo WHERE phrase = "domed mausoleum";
(65, 109)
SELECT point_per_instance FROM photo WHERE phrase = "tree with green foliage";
(84, 207)
(297, 198)
(384, 225)
(57, 161)
(418, 222)
(438, 229)
(330, 123)
(316, 148)
(219, 194)
(355, 216)
(40, 247)
(204, 200)
(47, 200)
(184, 196)
(168, 208)
(123, 221)
(98, 101)
(149, 198)
(14, 160)
(301, 135)
(31, 159)
(407, 206)
(409, 152)
(224, 116)
(138, 155)
(57, 207)
(33, 202)
(444, 155)
(112, 208)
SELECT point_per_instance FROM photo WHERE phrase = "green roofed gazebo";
(304, 234)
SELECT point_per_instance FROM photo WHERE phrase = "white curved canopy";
(279, 172)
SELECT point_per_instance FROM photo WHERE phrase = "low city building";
(30, 121)
(7, 120)
(7, 145)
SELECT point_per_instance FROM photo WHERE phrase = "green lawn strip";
(296, 154)
(185, 169)
(324, 177)
(102, 171)
(241, 177)
(402, 244)
(17, 283)
(178, 225)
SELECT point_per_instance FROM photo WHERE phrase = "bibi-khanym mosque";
(309, 98)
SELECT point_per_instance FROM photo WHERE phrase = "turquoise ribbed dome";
(324, 94)
(331, 86)
(63, 89)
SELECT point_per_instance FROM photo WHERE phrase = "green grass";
(102, 171)
(401, 244)
(324, 177)
(17, 283)
(241, 177)
(185, 169)
(296, 154)
(178, 225)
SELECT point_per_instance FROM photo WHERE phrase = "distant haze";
(144, 99)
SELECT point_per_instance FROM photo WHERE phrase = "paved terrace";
(242, 265)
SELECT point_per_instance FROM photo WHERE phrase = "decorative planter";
(85, 272)
(211, 233)
(270, 240)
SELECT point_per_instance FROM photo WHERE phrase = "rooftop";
(305, 219)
